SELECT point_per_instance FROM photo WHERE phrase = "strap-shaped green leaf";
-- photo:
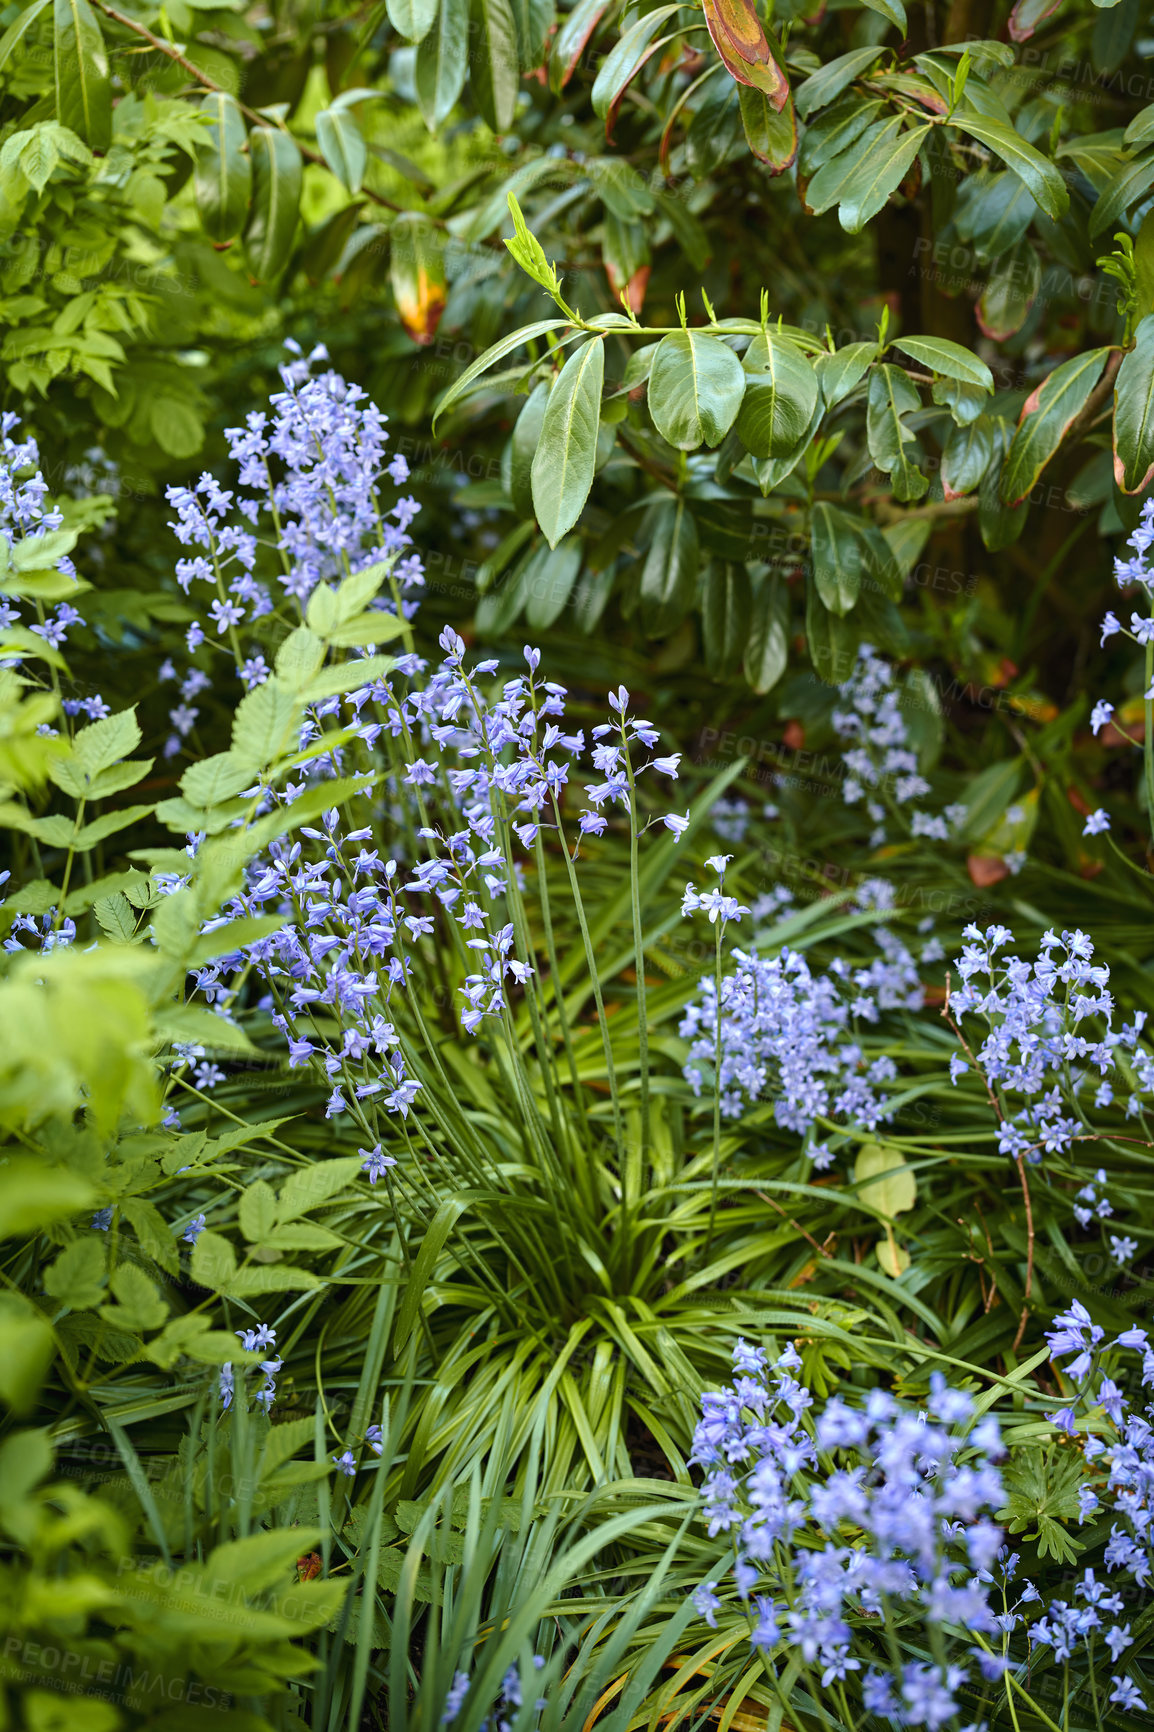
(515, 340)
(223, 169)
(625, 58)
(1132, 182)
(566, 454)
(276, 196)
(569, 43)
(83, 91)
(834, 77)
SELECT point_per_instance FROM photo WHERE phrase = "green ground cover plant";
(577, 781)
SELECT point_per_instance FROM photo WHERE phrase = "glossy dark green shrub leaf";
(891, 443)
(1046, 418)
(780, 394)
(223, 169)
(696, 385)
(1134, 412)
(276, 195)
(726, 611)
(563, 465)
(83, 90)
(671, 564)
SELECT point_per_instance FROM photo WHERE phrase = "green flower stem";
(638, 960)
(716, 1161)
(595, 979)
(1148, 739)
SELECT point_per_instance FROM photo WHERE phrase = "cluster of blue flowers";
(852, 1515)
(510, 1699)
(1120, 1466)
(253, 1341)
(856, 1522)
(309, 480)
(26, 517)
(1051, 1044)
(882, 765)
(483, 769)
(1132, 573)
(787, 1033)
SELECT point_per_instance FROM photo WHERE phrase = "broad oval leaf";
(767, 653)
(1038, 172)
(840, 372)
(950, 359)
(891, 443)
(223, 169)
(833, 640)
(884, 1180)
(83, 89)
(412, 19)
(496, 69)
(566, 454)
(1046, 417)
(968, 452)
(1000, 524)
(838, 557)
(625, 58)
(442, 62)
(726, 610)
(417, 273)
(1011, 291)
(770, 132)
(342, 146)
(549, 585)
(695, 389)
(780, 395)
(276, 196)
(672, 560)
(1134, 412)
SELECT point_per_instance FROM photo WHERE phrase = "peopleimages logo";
(75, 1673)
